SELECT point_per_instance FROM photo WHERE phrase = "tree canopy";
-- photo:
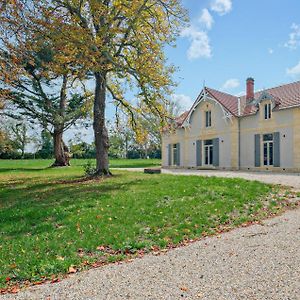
(120, 43)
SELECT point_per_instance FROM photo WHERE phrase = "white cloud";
(231, 84)
(294, 37)
(200, 43)
(206, 18)
(294, 71)
(183, 102)
(271, 51)
(222, 7)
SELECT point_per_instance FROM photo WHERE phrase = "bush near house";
(52, 223)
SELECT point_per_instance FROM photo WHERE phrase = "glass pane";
(268, 137)
(208, 142)
(266, 111)
(265, 154)
(210, 155)
(271, 153)
(175, 156)
(206, 155)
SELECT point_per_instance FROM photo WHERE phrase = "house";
(257, 131)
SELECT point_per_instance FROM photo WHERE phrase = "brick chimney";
(250, 89)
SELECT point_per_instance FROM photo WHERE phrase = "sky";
(230, 40)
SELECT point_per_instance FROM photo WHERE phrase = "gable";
(205, 96)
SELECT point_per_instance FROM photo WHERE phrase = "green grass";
(49, 222)
(8, 164)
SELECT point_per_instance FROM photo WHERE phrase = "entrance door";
(268, 149)
(208, 152)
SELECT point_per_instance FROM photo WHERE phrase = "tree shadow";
(3, 170)
(38, 208)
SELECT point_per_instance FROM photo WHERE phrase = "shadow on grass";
(40, 207)
(3, 170)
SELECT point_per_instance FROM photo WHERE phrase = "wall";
(225, 130)
(281, 121)
(286, 121)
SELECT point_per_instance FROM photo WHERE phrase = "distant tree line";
(124, 142)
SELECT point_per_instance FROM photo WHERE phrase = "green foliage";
(50, 221)
(82, 149)
(46, 150)
(89, 168)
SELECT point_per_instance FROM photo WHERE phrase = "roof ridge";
(222, 92)
(281, 85)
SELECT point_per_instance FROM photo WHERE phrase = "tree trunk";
(100, 130)
(61, 156)
(22, 153)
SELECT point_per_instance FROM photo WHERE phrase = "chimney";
(250, 89)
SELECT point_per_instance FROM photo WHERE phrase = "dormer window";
(208, 118)
(268, 111)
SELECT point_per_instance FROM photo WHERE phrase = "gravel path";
(287, 179)
(256, 262)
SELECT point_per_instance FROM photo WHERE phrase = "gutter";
(239, 132)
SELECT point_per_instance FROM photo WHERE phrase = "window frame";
(268, 149)
(208, 152)
(268, 111)
(174, 153)
(208, 119)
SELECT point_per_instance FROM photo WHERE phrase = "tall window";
(175, 154)
(268, 111)
(208, 152)
(208, 118)
(268, 149)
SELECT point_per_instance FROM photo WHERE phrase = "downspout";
(239, 132)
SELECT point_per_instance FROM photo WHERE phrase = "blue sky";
(230, 40)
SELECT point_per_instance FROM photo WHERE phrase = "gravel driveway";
(287, 179)
(256, 262)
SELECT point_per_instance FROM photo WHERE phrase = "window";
(175, 154)
(268, 149)
(268, 111)
(208, 152)
(208, 118)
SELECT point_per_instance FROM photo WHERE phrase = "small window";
(268, 111)
(208, 118)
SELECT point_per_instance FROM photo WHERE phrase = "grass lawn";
(49, 222)
(8, 164)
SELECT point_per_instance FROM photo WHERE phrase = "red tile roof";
(179, 120)
(285, 96)
(230, 102)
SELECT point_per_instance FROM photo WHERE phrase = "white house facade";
(258, 131)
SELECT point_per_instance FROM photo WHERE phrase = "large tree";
(121, 44)
(118, 42)
(33, 78)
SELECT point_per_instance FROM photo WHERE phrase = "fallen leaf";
(13, 266)
(15, 290)
(72, 270)
(100, 248)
